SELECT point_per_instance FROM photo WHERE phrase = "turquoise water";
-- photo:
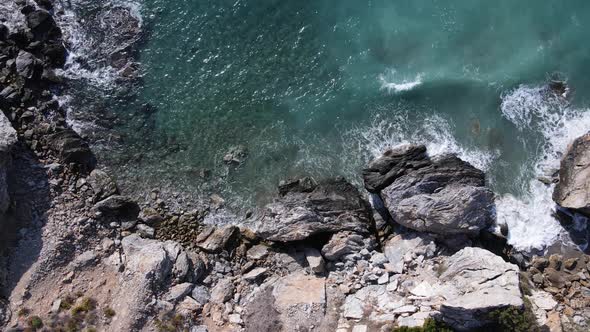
(321, 87)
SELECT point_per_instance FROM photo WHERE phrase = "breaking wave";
(536, 110)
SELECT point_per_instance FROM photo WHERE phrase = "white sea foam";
(535, 110)
(434, 131)
(83, 62)
(389, 84)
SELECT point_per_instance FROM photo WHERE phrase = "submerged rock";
(331, 207)
(573, 189)
(118, 206)
(443, 195)
(71, 148)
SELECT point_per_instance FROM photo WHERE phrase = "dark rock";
(443, 195)
(55, 53)
(26, 64)
(42, 25)
(573, 191)
(71, 148)
(118, 206)
(393, 164)
(102, 184)
(303, 185)
(45, 4)
(3, 32)
(333, 206)
(150, 217)
(219, 239)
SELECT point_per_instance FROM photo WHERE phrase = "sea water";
(321, 87)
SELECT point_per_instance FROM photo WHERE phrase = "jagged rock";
(26, 64)
(219, 238)
(55, 53)
(370, 300)
(146, 231)
(178, 292)
(150, 217)
(42, 25)
(223, 291)
(394, 163)
(258, 251)
(182, 267)
(406, 247)
(442, 195)
(333, 206)
(315, 260)
(8, 139)
(102, 184)
(475, 283)
(255, 274)
(342, 244)
(201, 294)
(71, 148)
(543, 300)
(303, 185)
(118, 206)
(147, 266)
(573, 189)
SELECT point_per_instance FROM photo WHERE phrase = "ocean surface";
(322, 87)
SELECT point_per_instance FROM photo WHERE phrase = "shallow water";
(319, 88)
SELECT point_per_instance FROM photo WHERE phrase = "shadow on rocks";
(28, 188)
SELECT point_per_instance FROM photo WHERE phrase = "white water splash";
(388, 83)
(434, 131)
(536, 110)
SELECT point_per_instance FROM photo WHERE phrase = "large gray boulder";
(8, 138)
(475, 283)
(443, 195)
(573, 189)
(306, 210)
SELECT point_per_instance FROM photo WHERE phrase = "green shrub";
(35, 322)
(86, 305)
(514, 319)
(430, 325)
(109, 312)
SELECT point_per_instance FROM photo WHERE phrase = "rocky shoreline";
(420, 248)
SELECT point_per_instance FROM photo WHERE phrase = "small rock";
(424, 289)
(406, 309)
(223, 291)
(383, 279)
(178, 292)
(555, 262)
(255, 274)
(315, 260)
(201, 294)
(235, 319)
(146, 231)
(258, 251)
(570, 263)
(379, 259)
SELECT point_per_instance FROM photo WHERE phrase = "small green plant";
(514, 319)
(430, 325)
(109, 312)
(170, 323)
(35, 322)
(67, 303)
(86, 305)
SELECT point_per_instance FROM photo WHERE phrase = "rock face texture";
(443, 195)
(304, 211)
(7, 140)
(475, 283)
(573, 189)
